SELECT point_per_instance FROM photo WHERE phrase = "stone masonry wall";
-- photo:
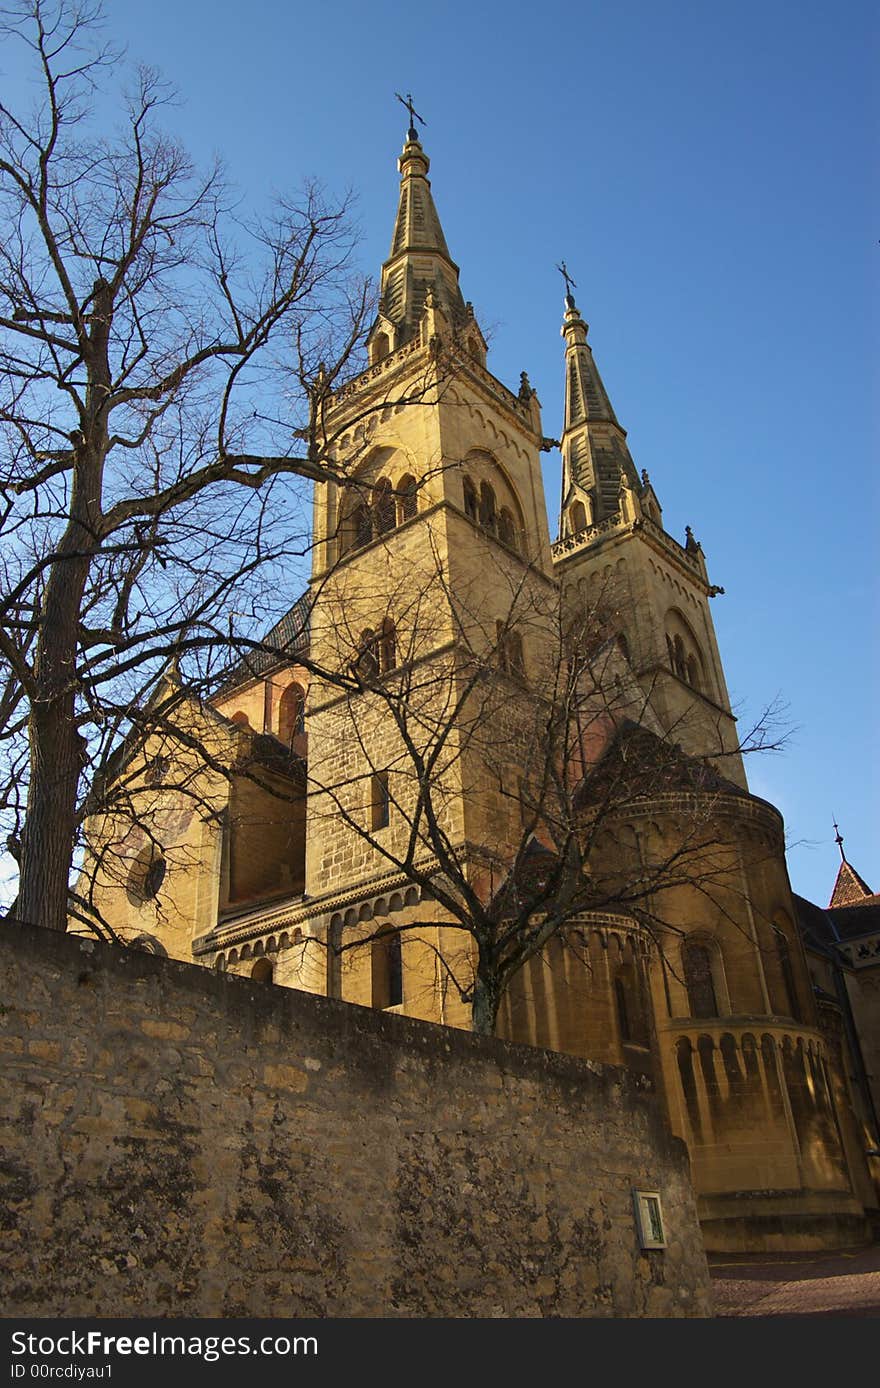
(178, 1143)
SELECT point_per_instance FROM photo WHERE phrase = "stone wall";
(179, 1143)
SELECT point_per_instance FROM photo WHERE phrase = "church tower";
(435, 536)
(614, 552)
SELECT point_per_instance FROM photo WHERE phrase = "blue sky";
(708, 173)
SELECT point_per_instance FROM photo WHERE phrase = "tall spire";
(419, 259)
(596, 463)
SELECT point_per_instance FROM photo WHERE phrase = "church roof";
(526, 880)
(287, 639)
(825, 928)
(849, 888)
(637, 764)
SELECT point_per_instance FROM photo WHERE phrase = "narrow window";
(488, 519)
(783, 954)
(383, 507)
(387, 646)
(631, 1010)
(577, 517)
(380, 803)
(698, 981)
(362, 525)
(387, 971)
(367, 663)
(622, 1009)
(678, 656)
(407, 504)
(470, 500)
(509, 651)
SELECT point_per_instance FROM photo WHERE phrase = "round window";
(146, 876)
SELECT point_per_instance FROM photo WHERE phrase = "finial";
(838, 839)
(569, 284)
(690, 543)
(525, 387)
(412, 133)
(646, 481)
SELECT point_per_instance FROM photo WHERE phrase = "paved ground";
(797, 1284)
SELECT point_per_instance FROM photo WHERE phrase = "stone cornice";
(615, 528)
(371, 381)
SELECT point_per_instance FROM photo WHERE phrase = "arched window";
(241, 718)
(387, 646)
(384, 517)
(791, 1006)
(623, 645)
(262, 972)
(381, 347)
(471, 508)
(367, 663)
(387, 971)
(685, 657)
(291, 713)
(699, 980)
(407, 503)
(577, 517)
(507, 529)
(488, 519)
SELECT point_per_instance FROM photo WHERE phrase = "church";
(460, 707)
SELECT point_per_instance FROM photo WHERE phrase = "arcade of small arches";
(724, 1074)
(259, 954)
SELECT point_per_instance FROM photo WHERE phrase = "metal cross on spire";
(414, 116)
(838, 839)
(569, 282)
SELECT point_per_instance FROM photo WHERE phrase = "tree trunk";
(484, 1006)
(56, 745)
(50, 826)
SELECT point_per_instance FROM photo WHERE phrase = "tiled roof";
(638, 764)
(287, 639)
(863, 919)
(824, 929)
(850, 888)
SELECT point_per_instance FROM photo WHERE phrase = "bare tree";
(164, 371)
(508, 741)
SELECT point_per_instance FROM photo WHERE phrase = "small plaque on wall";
(649, 1218)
